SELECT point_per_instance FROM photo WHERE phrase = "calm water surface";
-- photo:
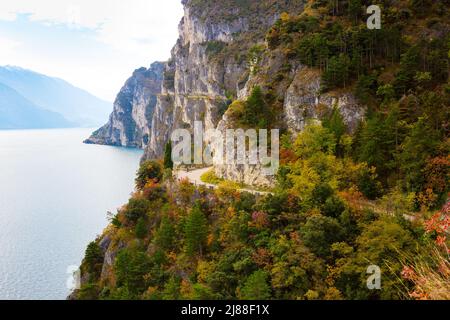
(55, 192)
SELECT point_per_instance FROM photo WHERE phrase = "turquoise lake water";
(55, 193)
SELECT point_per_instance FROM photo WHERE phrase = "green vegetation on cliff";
(313, 238)
(344, 199)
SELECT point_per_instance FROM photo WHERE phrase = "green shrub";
(256, 287)
(137, 208)
(93, 259)
(149, 170)
(130, 268)
(141, 228)
(210, 177)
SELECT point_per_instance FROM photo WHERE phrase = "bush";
(253, 113)
(141, 228)
(93, 258)
(88, 292)
(130, 268)
(368, 183)
(149, 170)
(333, 207)
(321, 193)
(213, 48)
(256, 287)
(137, 208)
(165, 235)
(320, 232)
(210, 177)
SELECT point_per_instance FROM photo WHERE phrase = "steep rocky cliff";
(220, 56)
(234, 67)
(209, 63)
(130, 122)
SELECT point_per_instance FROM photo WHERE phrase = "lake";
(55, 193)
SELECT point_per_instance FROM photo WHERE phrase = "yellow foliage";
(312, 295)
(186, 289)
(204, 268)
(210, 177)
(333, 294)
(210, 239)
(285, 17)
(227, 189)
(235, 110)
(304, 179)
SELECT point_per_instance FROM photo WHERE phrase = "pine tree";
(168, 163)
(130, 268)
(335, 124)
(195, 231)
(256, 287)
(256, 113)
(165, 235)
(141, 228)
(420, 145)
(354, 9)
(93, 258)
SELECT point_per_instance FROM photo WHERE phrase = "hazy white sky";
(94, 44)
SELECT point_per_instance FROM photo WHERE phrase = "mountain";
(361, 194)
(130, 122)
(53, 94)
(16, 112)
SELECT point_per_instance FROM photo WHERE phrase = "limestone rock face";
(247, 174)
(194, 85)
(210, 66)
(129, 124)
(304, 101)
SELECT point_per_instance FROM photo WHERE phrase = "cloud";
(94, 44)
(8, 47)
(7, 16)
(125, 25)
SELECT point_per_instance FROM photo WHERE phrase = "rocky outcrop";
(304, 101)
(129, 124)
(209, 64)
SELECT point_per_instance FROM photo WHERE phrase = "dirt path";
(194, 177)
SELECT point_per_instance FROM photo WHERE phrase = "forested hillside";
(372, 190)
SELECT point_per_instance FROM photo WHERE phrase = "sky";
(93, 44)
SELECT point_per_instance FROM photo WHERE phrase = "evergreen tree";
(320, 232)
(165, 235)
(196, 231)
(256, 287)
(420, 145)
(256, 113)
(335, 124)
(377, 144)
(168, 163)
(137, 208)
(141, 228)
(409, 65)
(93, 257)
(354, 9)
(337, 73)
(172, 289)
(130, 268)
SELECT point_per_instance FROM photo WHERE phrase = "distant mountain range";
(32, 100)
(16, 112)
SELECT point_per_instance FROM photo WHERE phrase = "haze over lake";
(55, 192)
